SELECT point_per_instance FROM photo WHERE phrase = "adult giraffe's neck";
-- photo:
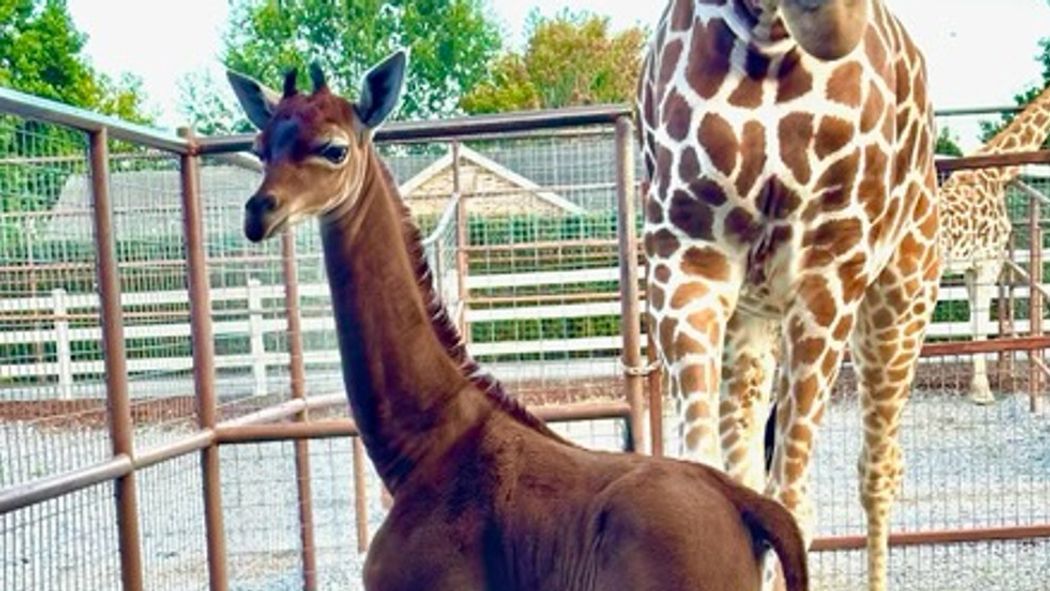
(407, 394)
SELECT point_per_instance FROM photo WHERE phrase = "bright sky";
(980, 52)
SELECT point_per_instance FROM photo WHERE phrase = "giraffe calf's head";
(313, 146)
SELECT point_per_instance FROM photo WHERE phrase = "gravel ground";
(968, 466)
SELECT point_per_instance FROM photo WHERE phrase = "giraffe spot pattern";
(844, 84)
(832, 135)
(709, 53)
(691, 216)
(813, 290)
(719, 141)
(677, 116)
(752, 157)
(793, 80)
(795, 134)
(705, 262)
(682, 15)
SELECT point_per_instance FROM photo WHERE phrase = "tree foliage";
(41, 53)
(451, 44)
(570, 59)
(946, 144)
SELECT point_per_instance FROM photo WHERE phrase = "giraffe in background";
(789, 147)
(975, 226)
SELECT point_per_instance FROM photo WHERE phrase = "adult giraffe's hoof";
(982, 396)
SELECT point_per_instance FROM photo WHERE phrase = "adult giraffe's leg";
(749, 364)
(697, 306)
(891, 326)
(980, 286)
(814, 333)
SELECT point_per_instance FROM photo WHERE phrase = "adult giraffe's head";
(825, 29)
(314, 147)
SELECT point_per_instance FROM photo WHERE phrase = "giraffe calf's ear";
(381, 89)
(258, 101)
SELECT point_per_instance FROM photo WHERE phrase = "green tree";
(570, 59)
(41, 54)
(451, 44)
(946, 144)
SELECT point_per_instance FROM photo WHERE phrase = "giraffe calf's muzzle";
(259, 217)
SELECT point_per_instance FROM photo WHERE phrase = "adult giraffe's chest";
(769, 158)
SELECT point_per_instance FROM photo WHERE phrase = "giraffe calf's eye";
(334, 153)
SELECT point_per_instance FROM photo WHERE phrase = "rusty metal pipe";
(297, 369)
(203, 363)
(947, 536)
(630, 316)
(117, 400)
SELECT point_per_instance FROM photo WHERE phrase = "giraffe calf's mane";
(447, 332)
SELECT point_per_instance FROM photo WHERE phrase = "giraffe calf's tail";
(771, 523)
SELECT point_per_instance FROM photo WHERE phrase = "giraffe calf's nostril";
(261, 204)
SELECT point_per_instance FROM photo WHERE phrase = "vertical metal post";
(298, 384)
(1035, 303)
(115, 355)
(203, 363)
(360, 494)
(630, 313)
(462, 242)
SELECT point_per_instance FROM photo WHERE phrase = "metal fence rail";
(147, 350)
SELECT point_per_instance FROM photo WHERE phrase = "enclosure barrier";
(304, 417)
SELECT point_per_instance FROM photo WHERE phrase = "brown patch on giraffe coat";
(872, 189)
(691, 216)
(689, 164)
(875, 51)
(662, 273)
(667, 330)
(752, 157)
(706, 322)
(654, 211)
(664, 158)
(669, 57)
(873, 109)
(682, 15)
(708, 191)
(677, 116)
(709, 57)
(836, 236)
(662, 243)
(740, 225)
(852, 277)
(842, 328)
(813, 291)
(832, 135)
(656, 297)
(844, 84)
(835, 185)
(686, 345)
(829, 366)
(903, 80)
(806, 394)
(686, 293)
(719, 141)
(705, 262)
(806, 351)
(794, 80)
(795, 133)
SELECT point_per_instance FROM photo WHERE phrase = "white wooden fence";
(261, 314)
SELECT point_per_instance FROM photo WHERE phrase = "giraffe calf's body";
(485, 496)
(791, 210)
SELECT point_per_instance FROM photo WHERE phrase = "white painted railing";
(249, 321)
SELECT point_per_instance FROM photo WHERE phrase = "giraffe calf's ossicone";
(485, 495)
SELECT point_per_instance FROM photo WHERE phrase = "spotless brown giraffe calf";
(485, 495)
(792, 207)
